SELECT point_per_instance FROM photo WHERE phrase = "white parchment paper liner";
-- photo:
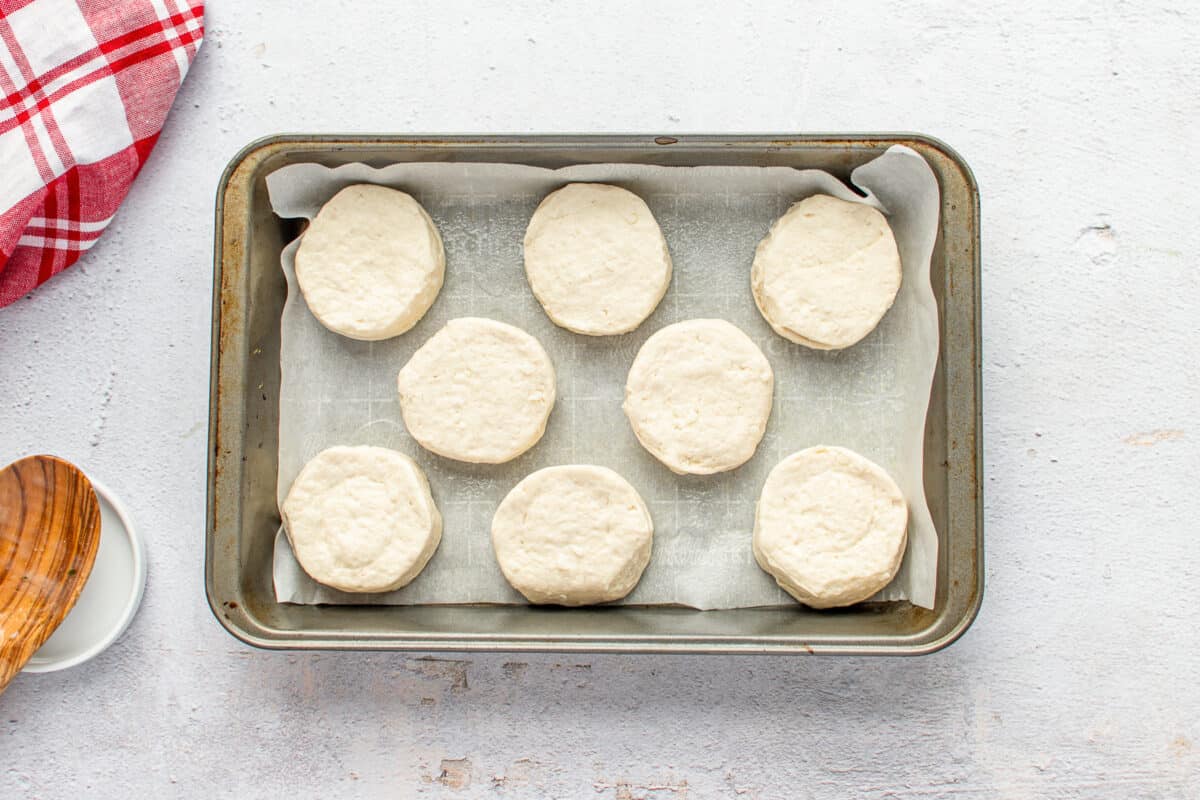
(871, 398)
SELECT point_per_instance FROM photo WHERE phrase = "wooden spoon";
(49, 532)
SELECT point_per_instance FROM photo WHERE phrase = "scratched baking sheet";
(872, 397)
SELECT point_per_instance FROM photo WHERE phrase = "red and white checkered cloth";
(85, 86)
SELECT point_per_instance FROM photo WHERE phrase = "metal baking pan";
(248, 296)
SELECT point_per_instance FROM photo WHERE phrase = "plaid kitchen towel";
(85, 88)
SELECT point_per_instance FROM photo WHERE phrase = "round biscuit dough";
(698, 396)
(826, 273)
(371, 263)
(478, 391)
(362, 519)
(573, 536)
(596, 259)
(830, 527)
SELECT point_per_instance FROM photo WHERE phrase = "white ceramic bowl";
(110, 597)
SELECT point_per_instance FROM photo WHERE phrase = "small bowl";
(110, 597)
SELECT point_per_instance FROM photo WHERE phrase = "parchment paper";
(871, 398)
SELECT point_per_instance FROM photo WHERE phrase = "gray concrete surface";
(1077, 680)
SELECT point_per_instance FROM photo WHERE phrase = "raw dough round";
(361, 519)
(698, 396)
(371, 263)
(573, 535)
(831, 527)
(596, 259)
(826, 273)
(478, 391)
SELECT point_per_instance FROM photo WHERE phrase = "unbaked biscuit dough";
(371, 263)
(826, 273)
(830, 527)
(362, 519)
(573, 535)
(698, 396)
(478, 391)
(596, 259)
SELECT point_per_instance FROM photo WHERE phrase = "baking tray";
(248, 295)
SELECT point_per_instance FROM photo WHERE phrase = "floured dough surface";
(830, 527)
(573, 535)
(827, 272)
(596, 259)
(371, 263)
(699, 395)
(362, 519)
(479, 391)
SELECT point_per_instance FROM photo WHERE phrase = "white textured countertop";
(1077, 680)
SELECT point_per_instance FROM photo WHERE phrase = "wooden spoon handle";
(49, 532)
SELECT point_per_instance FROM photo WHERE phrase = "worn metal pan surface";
(248, 296)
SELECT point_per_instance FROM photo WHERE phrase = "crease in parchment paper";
(871, 397)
